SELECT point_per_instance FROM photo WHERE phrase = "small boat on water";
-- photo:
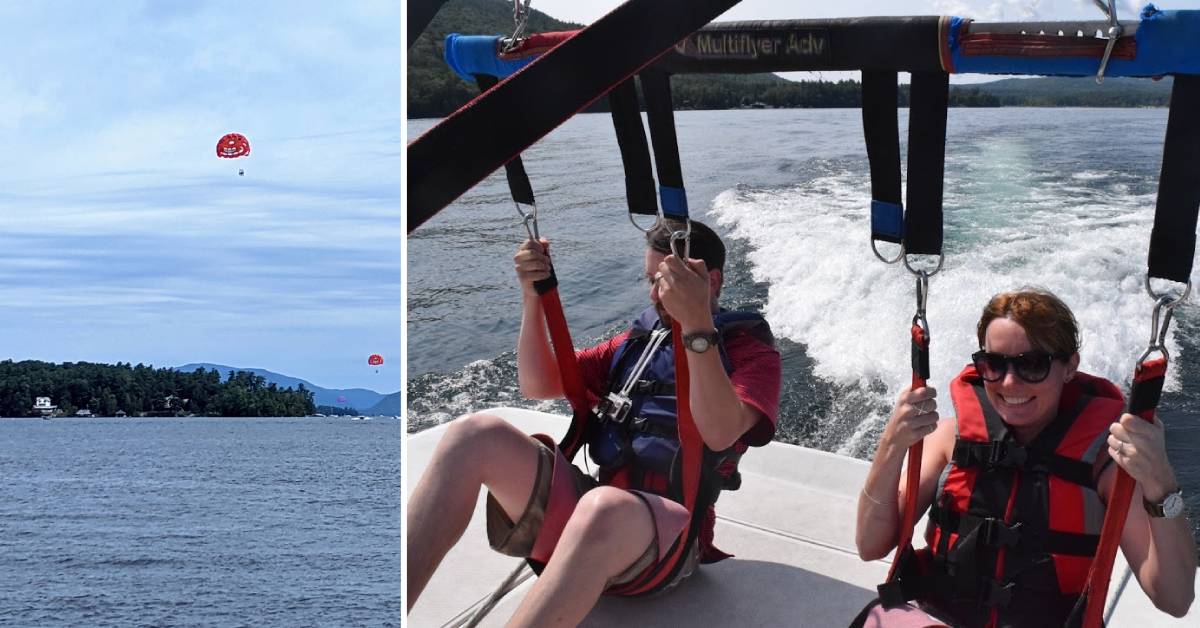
(788, 526)
(360, 418)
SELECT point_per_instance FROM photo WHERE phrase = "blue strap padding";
(1166, 44)
(674, 202)
(887, 219)
(469, 55)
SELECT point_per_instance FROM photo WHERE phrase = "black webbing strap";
(660, 114)
(635, 152)
(420, 14)
(487, 132)
(928, 97)
(881, 129)
(1173, 239)
(1009, 454)
(514, 170)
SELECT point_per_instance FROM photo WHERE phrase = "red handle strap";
(568, 368)
(912, 480)
(1147, 385)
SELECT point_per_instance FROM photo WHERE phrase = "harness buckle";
(1001, 453)
(614, 407)
(994, 532)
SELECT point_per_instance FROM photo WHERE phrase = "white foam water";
(852, 312)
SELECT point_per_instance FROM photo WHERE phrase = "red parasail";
(232, 146)
(375, 359)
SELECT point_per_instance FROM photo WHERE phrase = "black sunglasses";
(1031, 366)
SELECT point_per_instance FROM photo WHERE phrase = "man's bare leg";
(609, 530)
(477, 450)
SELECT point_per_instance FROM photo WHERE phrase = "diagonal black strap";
(1173, 239)
(928, 97)
(881, 129)
(420, 14)
(472, 142)
(635, 152)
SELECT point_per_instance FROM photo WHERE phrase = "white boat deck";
(791, 527)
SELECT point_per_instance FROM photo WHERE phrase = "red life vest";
(1013, 529)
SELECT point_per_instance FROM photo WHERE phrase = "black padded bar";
(928, 96)
(1173, 239)
(905, 44)
(468, 145)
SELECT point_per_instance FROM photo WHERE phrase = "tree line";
(106, 389)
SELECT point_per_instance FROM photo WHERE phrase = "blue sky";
(124, 238)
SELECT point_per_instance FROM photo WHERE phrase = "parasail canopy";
(232, 146)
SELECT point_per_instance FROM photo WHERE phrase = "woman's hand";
(1139, 447)
(913, 418)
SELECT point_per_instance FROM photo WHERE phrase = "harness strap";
(1172, 247)
(928, 99)
(1173, 238)
(999, 453)
(656, 88)
(881, 129)
(514, 170)
(635, 152)
(995, 533)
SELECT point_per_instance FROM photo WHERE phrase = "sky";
(587, 11)
(126, 239)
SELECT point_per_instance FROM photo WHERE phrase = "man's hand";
(685, 293)
(532, 263)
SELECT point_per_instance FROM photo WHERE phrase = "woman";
(1021, 478)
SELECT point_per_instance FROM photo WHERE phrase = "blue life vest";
(646, 435)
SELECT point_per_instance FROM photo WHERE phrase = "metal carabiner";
(686, 236)
(529, 220)
(922, 299)
(520, 22)
(1114, 32)
(1160, 322)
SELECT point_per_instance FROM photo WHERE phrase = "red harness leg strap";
(1147, 386)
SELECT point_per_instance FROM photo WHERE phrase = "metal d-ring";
(883, 259)
(645, 229)
(940, 260)
(1160, 319)
(520, 22)
(1156, 296)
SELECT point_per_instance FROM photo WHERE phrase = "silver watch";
(1170, 507)
(700, 341)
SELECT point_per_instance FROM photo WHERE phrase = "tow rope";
(1172, 249)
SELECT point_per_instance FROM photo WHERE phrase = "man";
(596, 535)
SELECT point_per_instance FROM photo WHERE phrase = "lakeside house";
(42, 406)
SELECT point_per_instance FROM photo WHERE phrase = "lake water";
(1060, 198)
(200, 522)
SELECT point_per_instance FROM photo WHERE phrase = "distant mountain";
(388, 406)
(355, 397)
(1069, 91)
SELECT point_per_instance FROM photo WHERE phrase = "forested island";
(435, 91)
(123, 389)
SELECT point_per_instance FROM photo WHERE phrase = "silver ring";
(1121, 448)
(922, 408)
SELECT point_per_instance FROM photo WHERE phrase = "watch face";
(1173, 505)
(699, 344)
